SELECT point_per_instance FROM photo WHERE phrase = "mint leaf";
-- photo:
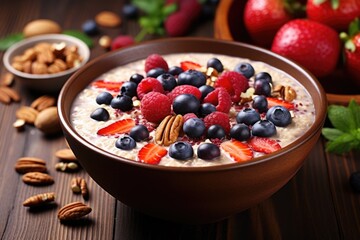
(331, 133)
(9, 40)
(341, 118)
(354, 27)
(169, 9)
(355, 111)
(80, 35)
(341, 144)
(149, 7)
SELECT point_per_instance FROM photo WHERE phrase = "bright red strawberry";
(264, 145)
(218, 118)
(118, 127)
(187, 65)
(147, 85)
(155, 107)
(312, 44)
(122, 41)
(334, 13)
(109, 85)
(155, 61)
(151, 153)
(239, 151)
(279, 102)
(184, 89)
(234, 83)
(220, 98)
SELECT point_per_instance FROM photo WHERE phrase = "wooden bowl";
(229, 26)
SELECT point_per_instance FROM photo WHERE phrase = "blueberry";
(128, 89)
(354, 181)
(186, 103)
(90, 27)
(181, 150)
(208, 151)
(155, 72)
(263, 128)
(125, 143)
(104, 98)
(168, 81)
(175, 70)
(205, 90)
(263, 75)
(240, 132)
(136, 78)
(100, 114)
(260, 103)
(248, 116)
(215, 63)
(245, 69)
(262, 87)
(206, 108)
(192, 77)
(122, 102)
(139, 133)
(130, 11)
(215, 131)
(194, 127)
(279, 115)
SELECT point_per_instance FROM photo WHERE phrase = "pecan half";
(30, 164)
(285, 92)
(27, 113)
(39, 199)
(43, 102)
(79, 185)
(7, 79)
(73, 211)
(37, 178)
(168, 130)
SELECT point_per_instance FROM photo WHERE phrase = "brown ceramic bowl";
(194, 194)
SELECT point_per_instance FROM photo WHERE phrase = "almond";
(41, 26)
(27, 113)
(65, 155)
(48, 121)
(73, 211)
(108, 19)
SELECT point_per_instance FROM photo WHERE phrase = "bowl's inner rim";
(182, 45)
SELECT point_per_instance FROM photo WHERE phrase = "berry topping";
(147, 85)
(128, 89)
(155, 72)
(139, 133)
(122, 41)
(278, 102)
(192, 77)
(220, 98)
(248, 116)
(151, 153)
(205, 90)
(234, 83)
(189, 116)
(208, 151)
(125, 143)
(245, 69)
(104, 98)
(122, 102)
(279, 115)
(181, 150)
(216, 64)
(184, 89)
(194, 127)
(90, 27)
(218, 118)
(136, 78)
(187, 65)
(264, 145)
(215, 131)
(186, 103)
(130, 11)
(118, 127)
(168, 81)
(264, 76)
(260, 103)
(175, 70)
(100, 114)
(240, 132)
(155, 61)
(239, 151)
(262, 87)
(152, 110)
(111, 86)
(206, 109)
(263, 128)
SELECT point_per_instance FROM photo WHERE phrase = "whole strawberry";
(262, 18)
(334, 13)
(311, 44)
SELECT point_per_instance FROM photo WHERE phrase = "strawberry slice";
(118, 127)
(111, 86)
(151, 153)
(278, 102)
(187, 65)
(239, 151)
(264, 145)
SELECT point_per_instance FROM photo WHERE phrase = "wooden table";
(316, 204)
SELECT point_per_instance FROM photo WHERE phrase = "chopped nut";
(73, 211)
(37, 178)
(67, 167)
(19, 124)
(39, 199)
(105, 42)
(289, 94)
(75, 185)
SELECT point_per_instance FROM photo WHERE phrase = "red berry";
(184, 89)
(147, 85)
(122, 41)
(188, 116)
(187, 65)
(177, 24)
(220, 98)
(278, 102)
(265, 145)
(234, 83)
(192, 8)
(155, 107)
(116, 128)
(155, 61)
(111, 86)
(218, 118)
(239, 151)
(151, 153)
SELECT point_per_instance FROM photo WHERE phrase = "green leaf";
(9, 40)
(335, 4)
(331, 133)
(341, 118)
(169, 9)
(342, 144)
(354, 27)
(355, 112)
(149, 7)
(80, 35)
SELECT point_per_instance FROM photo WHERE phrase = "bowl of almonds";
(44, 63)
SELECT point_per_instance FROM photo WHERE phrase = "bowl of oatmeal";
(192, 130)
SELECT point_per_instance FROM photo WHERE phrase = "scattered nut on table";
(73, 211)
(39, 199)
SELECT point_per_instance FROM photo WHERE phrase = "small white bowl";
(45, 83)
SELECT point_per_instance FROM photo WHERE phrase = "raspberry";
(188, 116)
(220, 98)
(177, 24)
(218, 118)
(192, 8)
(122, 41)
(184, 89)
(155, 61)
(152, 110)
(234, 83)
(147, 85)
